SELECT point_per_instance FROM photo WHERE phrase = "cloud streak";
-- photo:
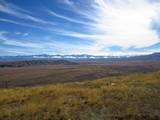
(126, 23)
(18, 43)
(18, 12)
(68, 2)
(20, 23)
(67, 18)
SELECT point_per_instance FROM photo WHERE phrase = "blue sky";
(98, 27)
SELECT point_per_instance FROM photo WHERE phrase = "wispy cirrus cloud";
(51, 29)
(67, 18)
(68, 2)
(18, 12)
(39, 47)
(126, 23)
(15, 42)
(106, 24)
(22, 34)
(21, 24)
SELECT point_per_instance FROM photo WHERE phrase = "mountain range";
(154, 56)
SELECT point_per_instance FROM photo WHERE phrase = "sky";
(95, 27)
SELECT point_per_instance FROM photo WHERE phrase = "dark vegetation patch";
(35, 63)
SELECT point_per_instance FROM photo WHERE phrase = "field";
(129, 97)
(31, 75)
(85, 90)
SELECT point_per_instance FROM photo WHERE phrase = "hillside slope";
(133, 97)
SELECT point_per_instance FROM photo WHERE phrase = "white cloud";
(22, 34)
(67, 18)
(68, 2)
(19, 43)
(124, 23)
(20, 23)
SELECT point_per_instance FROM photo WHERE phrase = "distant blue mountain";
(154, 56)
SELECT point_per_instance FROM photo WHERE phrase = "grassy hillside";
(133, 97)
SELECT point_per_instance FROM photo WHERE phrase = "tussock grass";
(132, 97)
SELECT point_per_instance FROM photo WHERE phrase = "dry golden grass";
(132, 97)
